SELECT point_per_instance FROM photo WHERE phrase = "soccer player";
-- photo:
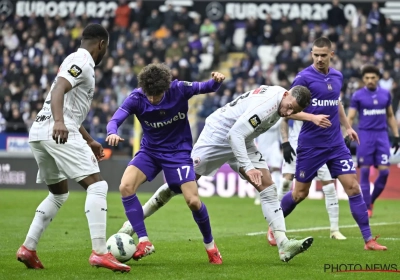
(268, 144)
(64, 149)
(289, 145)
(318, 146)
(161, 107)
(228, 136)
(373, 105)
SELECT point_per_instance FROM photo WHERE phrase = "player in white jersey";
(63, 150)
(289, 145)
(228, 137)
(268, 144)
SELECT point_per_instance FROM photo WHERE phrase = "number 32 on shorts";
(185, 167)
(347, 165)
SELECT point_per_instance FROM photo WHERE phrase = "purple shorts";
(374, 149)
(310, 159)
(178, 167)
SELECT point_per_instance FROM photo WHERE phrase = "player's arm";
(351, 115)
(96, 147)
(393, 126)
(344, 121)
(60, 131)
(123, 112)
(319, 120)
(193, 88)
(286, 147)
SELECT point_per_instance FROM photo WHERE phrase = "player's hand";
(255, 176)
(347, 141)
(396, 144)
(218, 77)
(287, 152)
(97, 149)
(114, 139)
(352, 135)
(60, 133)
(321, 121)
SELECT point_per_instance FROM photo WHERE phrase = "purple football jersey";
(165, 125)
(371, 107)
(325, 93)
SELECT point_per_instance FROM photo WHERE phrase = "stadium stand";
(249, 53)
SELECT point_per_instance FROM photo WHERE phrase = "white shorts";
(272, 154)
(57, 162)
(208, 158)
(322, 175)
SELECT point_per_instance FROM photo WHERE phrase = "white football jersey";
(271, 135)
(78, 69)
(294, 133)
(239, 122)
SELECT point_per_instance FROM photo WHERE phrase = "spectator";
(386, 82)
(376, 20)
(207, 28)
(15, 124)
(122, 15)
(153, 22)
(336, 16)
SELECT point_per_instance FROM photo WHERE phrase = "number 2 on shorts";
(187, 167)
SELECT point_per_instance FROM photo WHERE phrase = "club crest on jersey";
(254, 121)
(162, 113)
(330, 87)
(75, 71)
(375, 102)
(302, 174)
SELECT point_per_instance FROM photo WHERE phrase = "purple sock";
(360, 214)
(288, 204)
(203, 221)
(365, 186)
(379, 184)
(134, 212)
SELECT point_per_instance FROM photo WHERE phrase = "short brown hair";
(302, 95)
(155, 79)
(322, 42)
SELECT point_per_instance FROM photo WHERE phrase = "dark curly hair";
(155, 79)
(370, 69)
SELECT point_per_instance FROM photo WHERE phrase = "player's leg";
(142, 167)
(288, 171)
(382, 161)
(180, 174)
(77, 162)
(331, 201)
(48, 208)
(341, 165)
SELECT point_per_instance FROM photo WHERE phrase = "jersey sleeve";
(193, 88)
(75, 71)
(128, 107)
(256, 112)
(355, 103)
(299, 80)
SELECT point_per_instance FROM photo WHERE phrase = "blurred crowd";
(33, 48)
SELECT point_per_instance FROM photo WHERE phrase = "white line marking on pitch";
(353, 237)
(322, 228)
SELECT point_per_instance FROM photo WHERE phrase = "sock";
(379, 184)
(276, 177)
(273, 213)
(45, 213)
(284, 188)
(134, 213)
(257, 195)
(332, 205)
(203, 221)
(359, 211)
(288, 204)
(96, 214)
(158, 200)
(365, 186)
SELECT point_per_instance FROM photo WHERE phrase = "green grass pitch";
(65, 247)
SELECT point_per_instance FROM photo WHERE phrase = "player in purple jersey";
(373, 105)
(161, 107)
(318, 146)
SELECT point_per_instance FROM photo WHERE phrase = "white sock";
(144, 238)
(45, 213)
(210, 245)
(96, 214)
(276, 177)
(273, 213)
(284, 188)
(332, 205)
(256, 195)
(158, 200)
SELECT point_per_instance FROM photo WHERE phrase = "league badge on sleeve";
(254, 121)
(187, 84)
(75, 71)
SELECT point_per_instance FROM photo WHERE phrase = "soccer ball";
(121, 246)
